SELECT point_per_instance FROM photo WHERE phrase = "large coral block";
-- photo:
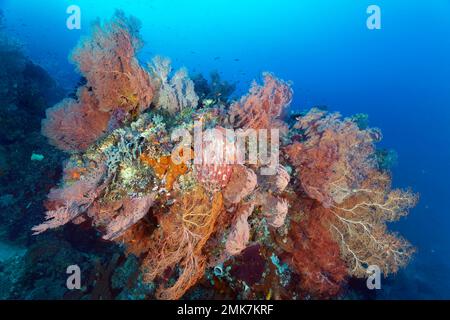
(319, 219)
(263, 106)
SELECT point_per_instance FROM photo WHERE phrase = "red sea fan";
(263, 106)
(115, 84)
(107, 60)
(131, 212)
(71, 201)
(336, 157)
(316, 257)
(74, 125)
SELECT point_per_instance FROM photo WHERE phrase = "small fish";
(237, 60)
(216, 58)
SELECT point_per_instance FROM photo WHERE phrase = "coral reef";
(212, 220)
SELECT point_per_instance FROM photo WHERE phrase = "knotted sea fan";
(359, 226)
(276, 183)
(179, 242)
(242, 183)
(239, 235)
(68, 202)
(274, 209)
(128, 213)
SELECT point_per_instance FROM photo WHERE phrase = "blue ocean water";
(398, 75)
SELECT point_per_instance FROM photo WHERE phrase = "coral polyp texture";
(303, 231)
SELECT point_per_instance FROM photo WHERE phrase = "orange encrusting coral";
(165, 168)
(74, 174)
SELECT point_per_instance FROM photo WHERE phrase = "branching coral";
(217, 90)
